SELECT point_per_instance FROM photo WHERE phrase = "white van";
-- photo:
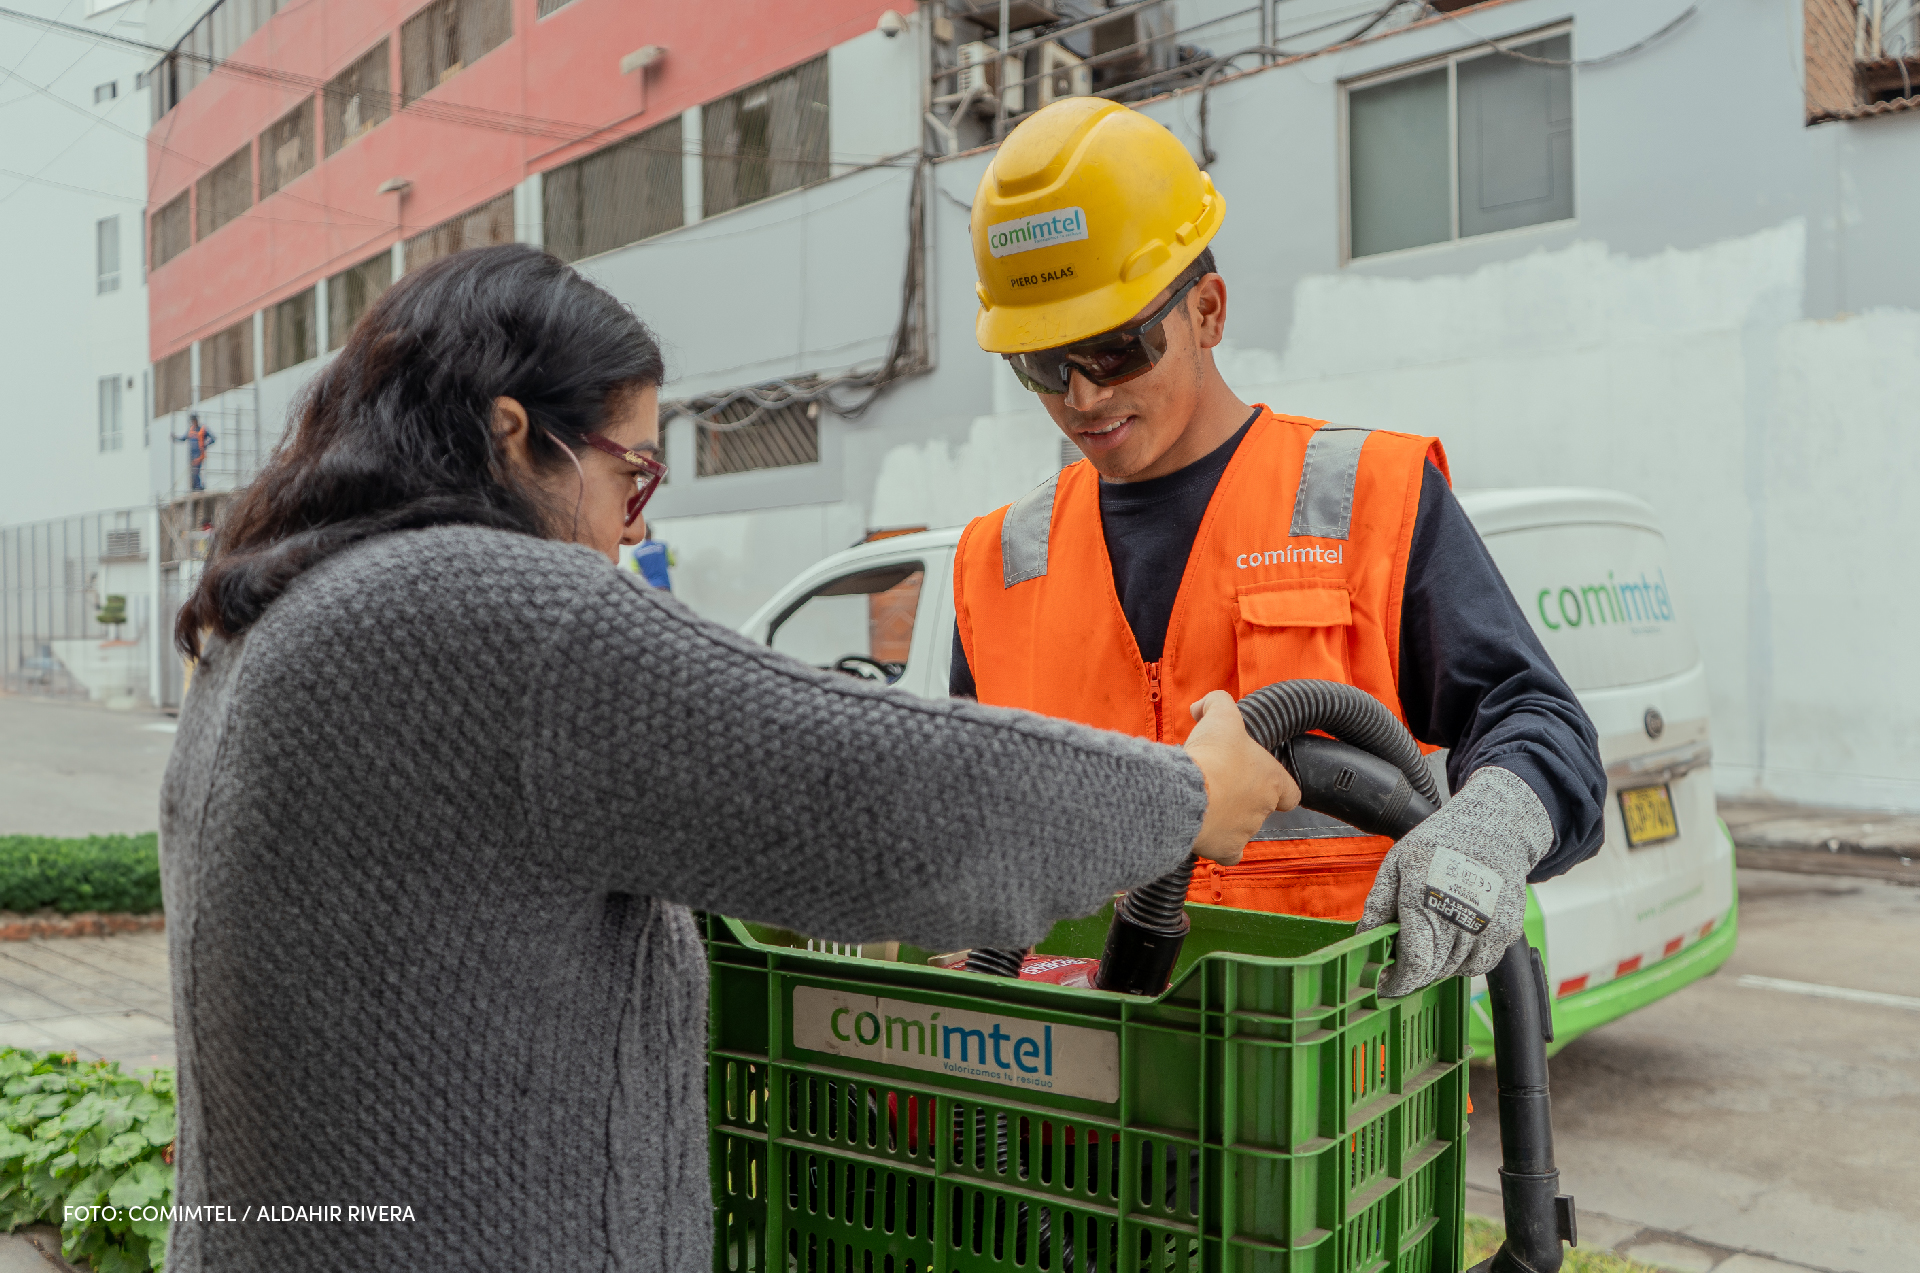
(1652, 911)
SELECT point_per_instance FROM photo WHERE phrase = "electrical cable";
(1615, 56)
(566, 131)
(904, 358)
(1207, 155)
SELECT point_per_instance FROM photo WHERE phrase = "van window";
(860, 624)
(1600, 600)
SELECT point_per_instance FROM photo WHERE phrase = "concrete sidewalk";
(1771, 836)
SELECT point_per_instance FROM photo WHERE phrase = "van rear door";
(1590, 570)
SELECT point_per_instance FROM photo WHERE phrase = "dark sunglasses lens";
(1038, 373)
(1112, 361)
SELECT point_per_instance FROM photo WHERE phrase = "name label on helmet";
(1041, 230)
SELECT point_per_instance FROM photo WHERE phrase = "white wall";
(58, 337)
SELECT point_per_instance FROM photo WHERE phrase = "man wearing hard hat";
(1204, 543)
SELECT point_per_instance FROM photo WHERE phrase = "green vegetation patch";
(118, 873)
(1484, 1238)
(88, 1148)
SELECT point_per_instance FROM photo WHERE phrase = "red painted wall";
(563, 68)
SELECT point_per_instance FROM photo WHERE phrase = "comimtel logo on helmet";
(1042, 230)
(1087, 212)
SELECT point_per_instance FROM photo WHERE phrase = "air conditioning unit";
(982, 68)
(1062, 74)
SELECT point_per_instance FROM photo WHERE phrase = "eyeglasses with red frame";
(652, 472)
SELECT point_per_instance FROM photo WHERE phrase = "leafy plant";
(90, 1149)
(98, 873)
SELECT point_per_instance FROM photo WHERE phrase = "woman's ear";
(510, 435)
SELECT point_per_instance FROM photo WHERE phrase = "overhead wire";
(1499, 47)
(906, 355)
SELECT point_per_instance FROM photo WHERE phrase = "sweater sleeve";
(677, 759)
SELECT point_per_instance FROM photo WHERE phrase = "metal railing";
(1886, 45)
(1128, 52)
(56, 578)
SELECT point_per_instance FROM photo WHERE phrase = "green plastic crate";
(1268, 1113)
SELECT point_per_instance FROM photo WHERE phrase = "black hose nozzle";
(1149, 927)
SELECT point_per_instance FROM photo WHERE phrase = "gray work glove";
(1457, 883)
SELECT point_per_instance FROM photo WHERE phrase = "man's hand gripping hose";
(1457, 883)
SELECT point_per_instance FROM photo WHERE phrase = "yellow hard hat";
(1087, 211)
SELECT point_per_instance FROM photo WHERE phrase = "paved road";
(1749, 1117)
(69, 768)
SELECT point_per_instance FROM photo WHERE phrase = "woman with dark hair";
(430, 936)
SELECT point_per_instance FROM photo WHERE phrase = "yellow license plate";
(1648, 813)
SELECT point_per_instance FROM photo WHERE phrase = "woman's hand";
(1244, 782)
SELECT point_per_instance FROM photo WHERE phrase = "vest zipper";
(1153, 696)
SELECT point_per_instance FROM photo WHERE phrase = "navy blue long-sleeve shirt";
(1473, 676)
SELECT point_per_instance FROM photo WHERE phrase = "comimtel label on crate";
(1043, 1056)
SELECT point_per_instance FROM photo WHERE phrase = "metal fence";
(1005, 61)
(60, 633)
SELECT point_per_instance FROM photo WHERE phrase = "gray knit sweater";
(430, 835)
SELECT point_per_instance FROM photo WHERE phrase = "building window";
(552, 6)
(1478, 143)
(106, 255)
(627, 192)
(110, 434)
(351, 293)
(173, 382)
(445, 38)
(359, 97)
(172, 230)
(484, 226)
(779, 438)
(290, 336)
(106, 92)
(224, 193)
(142, 79)
(767, 138)
(226, 359)
(286, 149)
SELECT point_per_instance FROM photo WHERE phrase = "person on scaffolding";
(198, 439)
(1203, 541)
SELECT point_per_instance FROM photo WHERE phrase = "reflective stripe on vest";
(1023, 535)
(1323, 506)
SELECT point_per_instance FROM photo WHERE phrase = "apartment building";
(76, 522)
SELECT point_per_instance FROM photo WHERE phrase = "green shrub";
(98, 873)
(83, 1135)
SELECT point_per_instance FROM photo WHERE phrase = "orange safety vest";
(1297, 571)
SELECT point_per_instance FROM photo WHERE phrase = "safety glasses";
(647, 480)
(1111, 358)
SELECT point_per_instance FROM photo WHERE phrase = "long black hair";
(397, 431)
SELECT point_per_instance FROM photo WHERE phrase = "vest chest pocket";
(1293, 629)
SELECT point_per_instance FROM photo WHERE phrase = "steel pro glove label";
(988, 1047)
(1461, 891)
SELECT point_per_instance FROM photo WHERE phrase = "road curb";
(16, 927)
